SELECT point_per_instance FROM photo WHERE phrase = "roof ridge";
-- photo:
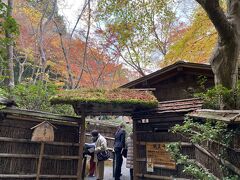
(166, 69)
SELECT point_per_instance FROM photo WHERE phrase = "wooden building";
(151, 134)
(174, 87)
(177, 81)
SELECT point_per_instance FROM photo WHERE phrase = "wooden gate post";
(84, 166)
(82, 130)
(135, 150)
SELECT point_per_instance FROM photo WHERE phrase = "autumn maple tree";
(47, 51)
(194, 42)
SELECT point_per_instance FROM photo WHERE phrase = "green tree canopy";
(135, 29)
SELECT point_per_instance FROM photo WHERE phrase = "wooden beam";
(23, 156)
(145, 89)
(151, 176)
(82, 129)
(38, 120)
(33, 156)
(40, 160)
(15, 176)
(183, 144)
(26, 176)
(50, 176)
(7, 139)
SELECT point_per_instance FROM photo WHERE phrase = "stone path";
(108, 172)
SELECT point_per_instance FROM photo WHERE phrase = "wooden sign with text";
(158, 156)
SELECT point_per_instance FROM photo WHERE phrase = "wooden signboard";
(157, 156)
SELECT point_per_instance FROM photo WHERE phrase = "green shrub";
(220, 97)
(199, 133)
(36, 97)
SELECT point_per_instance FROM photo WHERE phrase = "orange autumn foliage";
(98, 71)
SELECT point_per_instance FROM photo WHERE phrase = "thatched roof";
(99, 101)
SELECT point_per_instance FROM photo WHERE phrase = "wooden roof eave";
(179, 64)
(39, 114)
(173, 106)
(227, 116)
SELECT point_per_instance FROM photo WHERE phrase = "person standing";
(101, 145)
(129, 163)
(89, 150)
(119, 145)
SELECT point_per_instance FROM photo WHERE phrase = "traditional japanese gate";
(122, 102)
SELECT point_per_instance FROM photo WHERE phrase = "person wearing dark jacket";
(119, 145)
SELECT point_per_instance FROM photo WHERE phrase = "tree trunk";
(68, 66)
(225, 58)
(21, 71)
(65, 54)
(86, 46)
(43, 60)
(42, 27)
(9, 48)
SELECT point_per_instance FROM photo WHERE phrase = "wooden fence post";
(40, 160)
